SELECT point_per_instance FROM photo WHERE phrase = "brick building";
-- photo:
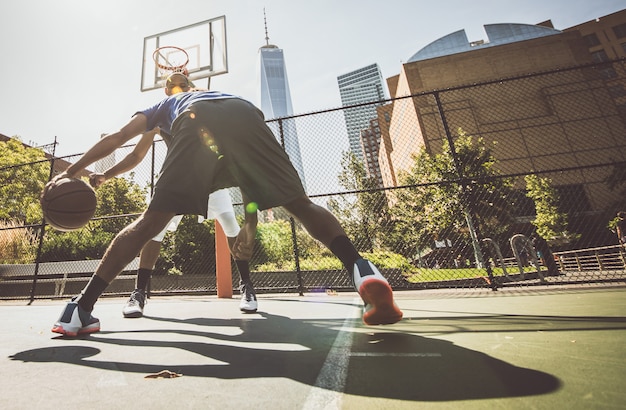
(556, 120)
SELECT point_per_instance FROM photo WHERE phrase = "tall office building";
(360, 86)
(276, 99)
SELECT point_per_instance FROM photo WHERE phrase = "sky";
(71, 69)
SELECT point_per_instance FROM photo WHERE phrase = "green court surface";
(512, 349)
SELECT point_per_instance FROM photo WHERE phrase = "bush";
(17, 245)
(382, 259)
(76, 245)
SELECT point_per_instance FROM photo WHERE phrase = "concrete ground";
(537, 349)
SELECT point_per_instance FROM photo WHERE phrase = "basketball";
(69, 205)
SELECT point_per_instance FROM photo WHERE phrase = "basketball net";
(169, 60)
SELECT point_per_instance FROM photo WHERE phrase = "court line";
(372, 354)
(331, 381)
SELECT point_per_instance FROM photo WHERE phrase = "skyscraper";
(360, 86)
(276, 99)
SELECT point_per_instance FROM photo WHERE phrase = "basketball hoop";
(171, 59)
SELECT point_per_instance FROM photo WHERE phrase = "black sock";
(244, 270)
(90, 294)
(344, 249)
(143, 278)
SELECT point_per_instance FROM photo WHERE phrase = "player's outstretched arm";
(127, 163)
(106, 145)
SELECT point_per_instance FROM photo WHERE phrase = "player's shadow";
(383, 364)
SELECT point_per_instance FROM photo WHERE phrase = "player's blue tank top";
(165, 112)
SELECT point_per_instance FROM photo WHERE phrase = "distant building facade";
(605, 39)
(276, 100)
(370, 142)
(360, 86)
(538, 125)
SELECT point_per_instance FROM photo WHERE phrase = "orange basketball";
(69, 205)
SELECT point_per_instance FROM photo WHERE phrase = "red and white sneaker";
(76, 321)
(380, 308)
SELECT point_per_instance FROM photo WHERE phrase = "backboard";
(204, 44)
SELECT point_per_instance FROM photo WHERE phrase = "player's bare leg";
(374, 289)
(76, 318)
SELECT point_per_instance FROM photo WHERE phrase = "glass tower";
(276, 101)
(360, 86)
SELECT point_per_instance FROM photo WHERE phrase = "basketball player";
(218, 141)
(220, 208)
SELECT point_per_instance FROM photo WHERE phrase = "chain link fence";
(510, 183)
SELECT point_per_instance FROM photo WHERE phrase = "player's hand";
(244, 243)
(96, 179)
(54, 181)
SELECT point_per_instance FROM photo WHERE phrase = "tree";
(364, 214)
(550, 223)
(119, 196)
(119, 200)
(23, 173)
(453, 198)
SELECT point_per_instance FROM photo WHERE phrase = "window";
(623, 47)
(608, 72)
(591, 40)
(599, 56)
(620, 31)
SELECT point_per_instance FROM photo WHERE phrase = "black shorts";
(219, 144)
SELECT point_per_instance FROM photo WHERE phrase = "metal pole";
(42, 230)
(474, 232)
(292, 222)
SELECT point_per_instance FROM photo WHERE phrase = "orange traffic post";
(223, 272)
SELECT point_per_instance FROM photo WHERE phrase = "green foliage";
(362, 215)
(23, 173)
(612, 225)
(274, 243)
(119, 196)
(85, 243)
(439, 203)
(550, 223)
(391, 260)
(189, 250)
(116, 197)
(382, 259)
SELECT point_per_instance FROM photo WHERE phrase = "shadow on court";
(389, 365)
(461, 350)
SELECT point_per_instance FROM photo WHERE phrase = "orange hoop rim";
(174, 68)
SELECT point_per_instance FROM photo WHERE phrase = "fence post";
(599, 260)
(468, 196)
(42, 231)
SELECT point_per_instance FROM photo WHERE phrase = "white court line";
(371, 354)
(328, 389)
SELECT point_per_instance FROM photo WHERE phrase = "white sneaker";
(134, 307)
(248, 302)
(380, 308)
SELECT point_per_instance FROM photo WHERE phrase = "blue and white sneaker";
(380, 308)
(76, 321)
